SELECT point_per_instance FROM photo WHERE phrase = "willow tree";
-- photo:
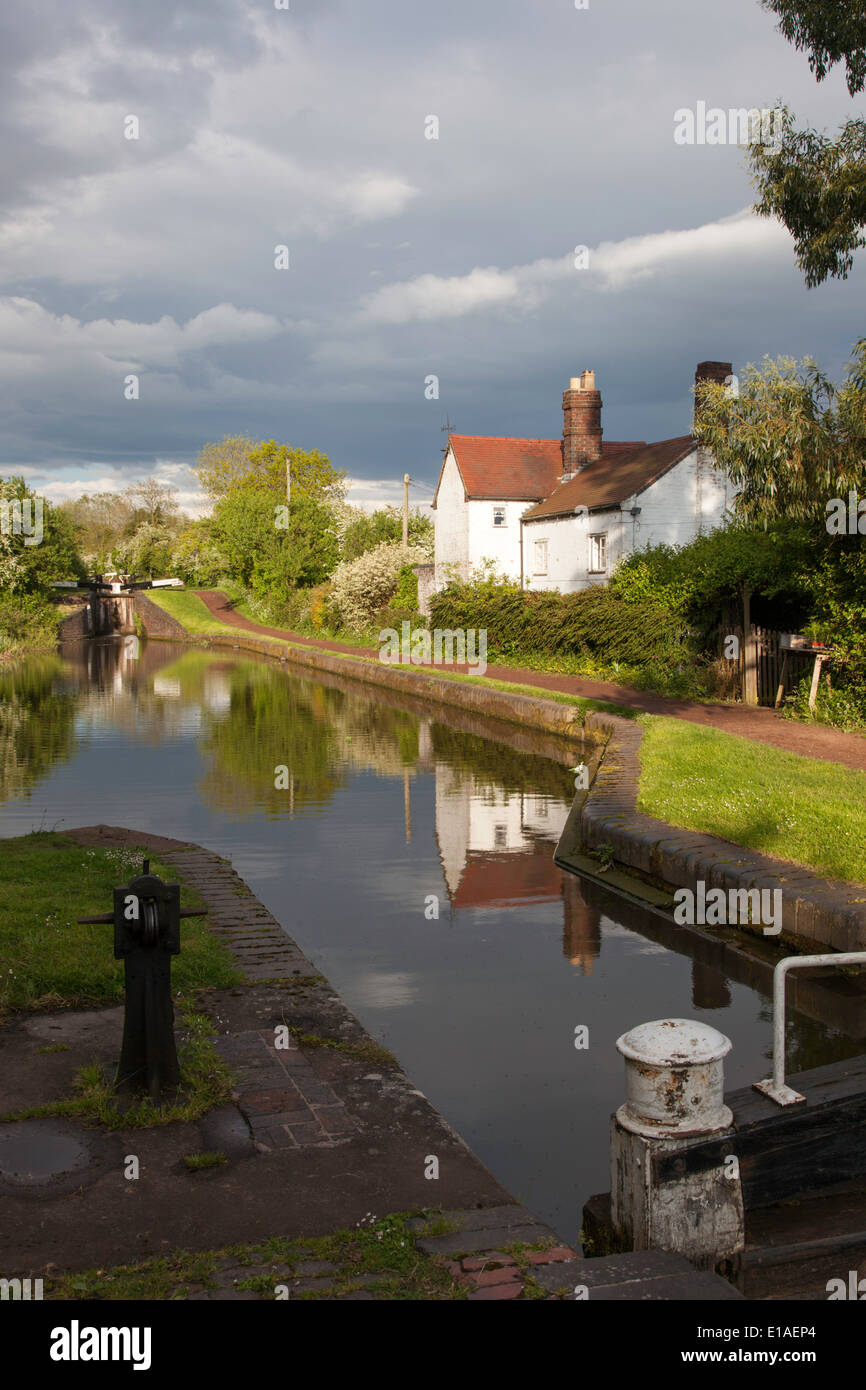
(789, 439)
(792, 443)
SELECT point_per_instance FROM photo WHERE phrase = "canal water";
(408, 850)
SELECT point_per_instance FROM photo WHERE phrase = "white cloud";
(437, 297)
(612, 266)
(31, 337)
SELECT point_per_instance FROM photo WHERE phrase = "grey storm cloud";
(408, 257)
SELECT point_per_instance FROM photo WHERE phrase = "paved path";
(760, 724)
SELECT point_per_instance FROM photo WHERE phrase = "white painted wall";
(501, 544)
(690, 497)
(465, 534)
(451, 537)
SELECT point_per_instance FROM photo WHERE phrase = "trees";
(101, 521)
(830, 31)
(238, 463)
(365, 530)
(37, 541)
(147, 554)
(816, 185)
(154, 502)
(790, 439)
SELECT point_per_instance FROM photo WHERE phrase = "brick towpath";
(760, 724)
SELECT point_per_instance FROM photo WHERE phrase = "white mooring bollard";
(675, 1087)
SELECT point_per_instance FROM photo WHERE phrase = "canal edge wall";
(566, 721)
(814, 909)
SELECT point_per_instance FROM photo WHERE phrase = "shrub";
(596, 622)
(362, 588)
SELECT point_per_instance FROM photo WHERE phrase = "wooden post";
(750, 675)
(816, 676)
(781, 690)
(405, 509)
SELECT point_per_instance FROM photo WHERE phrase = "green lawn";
(49, 961)
(191, 611)
(802, 809)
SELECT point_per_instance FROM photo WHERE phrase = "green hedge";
(594, 621)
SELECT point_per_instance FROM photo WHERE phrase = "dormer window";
(499, 516)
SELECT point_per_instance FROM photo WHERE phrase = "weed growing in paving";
(206, 1082)
(196, 1162)
(379, 1254)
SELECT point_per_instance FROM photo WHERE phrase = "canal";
(409, 852)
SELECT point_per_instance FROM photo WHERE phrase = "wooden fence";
(769, 665)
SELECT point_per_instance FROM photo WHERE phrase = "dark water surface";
(388, 807)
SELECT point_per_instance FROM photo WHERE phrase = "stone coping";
(527, 710)
(814, 909)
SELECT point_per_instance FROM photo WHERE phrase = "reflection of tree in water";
(497, 765)
(37, 723)
(270, 722)
(373, 735)
(274, 719)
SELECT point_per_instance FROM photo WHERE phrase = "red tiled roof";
(516, 470)
(495, 880)
(612, 478)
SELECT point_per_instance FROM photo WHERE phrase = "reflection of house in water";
(496, 849)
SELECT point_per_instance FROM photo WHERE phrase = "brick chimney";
(581, 428)
(712, 371)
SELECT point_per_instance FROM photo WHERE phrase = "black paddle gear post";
(146, 921)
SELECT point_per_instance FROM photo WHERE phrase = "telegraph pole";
(405, 510)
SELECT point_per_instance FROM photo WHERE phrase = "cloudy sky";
(409, 257)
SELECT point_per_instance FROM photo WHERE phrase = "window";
(598, 553)
(500, 837)
(498, 516)
(541, 557)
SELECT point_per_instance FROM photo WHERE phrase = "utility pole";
(405, 510)
(288, 481)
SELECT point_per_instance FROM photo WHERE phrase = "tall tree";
(814, 184)
(789, 439)
(238, 463)
(156, 502)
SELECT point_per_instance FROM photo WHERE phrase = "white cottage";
(560, 513)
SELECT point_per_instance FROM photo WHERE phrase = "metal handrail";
(775, 1086)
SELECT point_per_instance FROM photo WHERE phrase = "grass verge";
(190, 611)
(802, 809)
(49, 961)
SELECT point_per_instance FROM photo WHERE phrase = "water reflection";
(387, 801)
(37, 718)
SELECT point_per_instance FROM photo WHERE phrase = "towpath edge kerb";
(814, 909)
(512, 708)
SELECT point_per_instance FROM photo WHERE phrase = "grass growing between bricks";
(802, 809)
(378, 1256)
(368, 1052)
(49, 961)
